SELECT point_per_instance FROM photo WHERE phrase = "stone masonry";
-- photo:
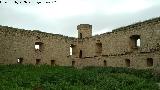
(135, 46)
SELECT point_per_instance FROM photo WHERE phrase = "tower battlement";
(84, 30)
(84, 26)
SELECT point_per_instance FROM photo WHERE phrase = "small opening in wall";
(105, 63)
(52, 62)
(135, 41)
(80, 35)
(20, 60)
(73, 63)
(38, 45)
(98, 48)
(149, 62)
(72, 49)
(80, 54)
(38, 61)
(138, 42)
(127, 62)
(38, 37)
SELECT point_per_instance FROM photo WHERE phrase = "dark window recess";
(127, 62)
(105, 63)
(80, 35)
(80, 54)
(149, 62)
(52, 62)
(38, 61)
(73, 63)
(98, 49)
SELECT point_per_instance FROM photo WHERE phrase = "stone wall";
(117, 48)
(16, 43)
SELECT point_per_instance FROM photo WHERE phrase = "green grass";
(44, 77)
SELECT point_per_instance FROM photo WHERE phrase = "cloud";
(63, 16)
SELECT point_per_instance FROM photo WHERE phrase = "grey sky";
(62, 16)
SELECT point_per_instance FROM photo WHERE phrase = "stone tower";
(84, 30)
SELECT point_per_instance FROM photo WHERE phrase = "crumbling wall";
(16, 43)
(117, 46)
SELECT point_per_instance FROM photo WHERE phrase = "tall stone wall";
(16, 43)
(117, 48)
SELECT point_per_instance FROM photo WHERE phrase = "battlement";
(84, 26)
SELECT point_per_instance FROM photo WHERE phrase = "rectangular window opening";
(135, 41)
(73, 63)
(127, 62)
(80, 54)
(52, 62)
(38, 45)
(105, 63)
(138, 42)
(20, 60)
(98, 48)
(80, 35)
(72, 49)
(149, 62)
(38, 61)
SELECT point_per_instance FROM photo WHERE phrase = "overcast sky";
(63, 16)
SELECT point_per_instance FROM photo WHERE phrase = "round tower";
(84, 30)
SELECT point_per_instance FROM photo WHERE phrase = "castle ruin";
(135, 46)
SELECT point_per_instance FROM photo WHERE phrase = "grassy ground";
(44, 77)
